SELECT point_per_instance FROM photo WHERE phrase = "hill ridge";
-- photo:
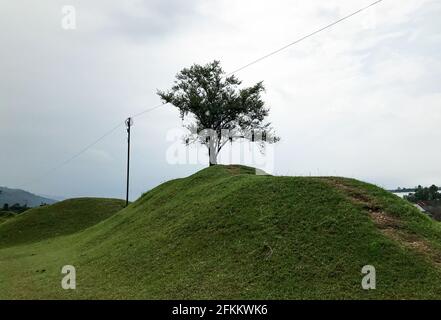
(223, 233)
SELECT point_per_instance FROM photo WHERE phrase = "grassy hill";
(6, 215)
(226, 233)
(59, 219)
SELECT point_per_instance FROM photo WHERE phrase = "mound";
(6, 215)
(226, 233)
(62, 218)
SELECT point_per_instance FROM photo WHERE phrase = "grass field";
(226, 233)
(6, 215)
(59, 219)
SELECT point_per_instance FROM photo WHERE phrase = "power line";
(90, 145)
(229, 74)
(147, 110)
(303, 38)
(76, 155)
(282, 48)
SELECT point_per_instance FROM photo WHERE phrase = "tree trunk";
(212, 154)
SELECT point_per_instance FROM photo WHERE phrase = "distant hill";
(13, 196)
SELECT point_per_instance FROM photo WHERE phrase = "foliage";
(17, 208)
(220, 112)
(424, 194)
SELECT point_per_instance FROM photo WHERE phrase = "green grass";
(225, 233)
(6, 215)
(59, 219)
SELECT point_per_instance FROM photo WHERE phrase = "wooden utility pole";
(129, 123)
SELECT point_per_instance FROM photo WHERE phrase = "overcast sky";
(362, 99)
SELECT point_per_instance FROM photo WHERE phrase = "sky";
(361, 100)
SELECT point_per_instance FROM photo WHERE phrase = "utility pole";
(129, 123)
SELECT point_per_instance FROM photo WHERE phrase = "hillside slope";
(226, 233)
(62, 218)
(6, 215)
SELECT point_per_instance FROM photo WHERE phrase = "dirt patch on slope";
(389, 225)
(233, 170)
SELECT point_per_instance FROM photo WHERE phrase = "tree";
(17, 208)
(218, 110)
(433, 192)
(424, 194)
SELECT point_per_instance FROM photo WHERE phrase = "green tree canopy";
(219, 110)
(424, 194)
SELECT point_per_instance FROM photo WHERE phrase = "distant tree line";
(424, 194)
(399, 189)
(17, 208)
